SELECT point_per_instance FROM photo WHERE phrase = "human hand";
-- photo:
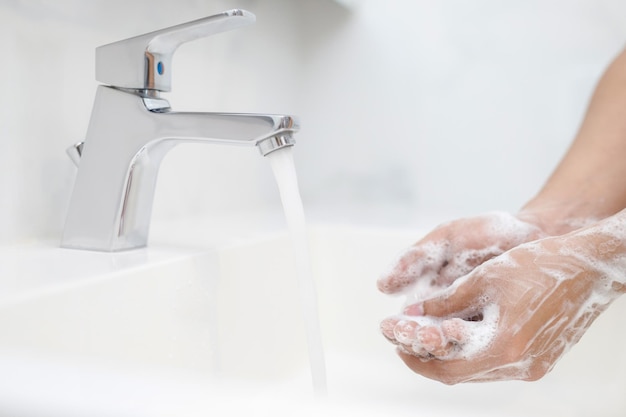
(453, 250)
(514, 316)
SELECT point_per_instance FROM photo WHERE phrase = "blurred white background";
(429, 107)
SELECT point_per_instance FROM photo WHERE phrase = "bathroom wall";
(431, 107)
(451, 107)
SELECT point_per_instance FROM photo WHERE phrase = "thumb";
(464, 299)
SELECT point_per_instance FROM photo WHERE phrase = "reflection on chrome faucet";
(132, 128)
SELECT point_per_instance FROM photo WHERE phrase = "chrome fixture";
(132, 128)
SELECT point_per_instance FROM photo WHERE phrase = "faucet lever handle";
(144, 62)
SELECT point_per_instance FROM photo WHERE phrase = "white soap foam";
(480, 334)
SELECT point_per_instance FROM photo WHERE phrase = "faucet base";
(128, 136)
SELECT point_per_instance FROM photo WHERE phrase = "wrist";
(559, 217)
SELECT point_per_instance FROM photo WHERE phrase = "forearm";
(590, 181)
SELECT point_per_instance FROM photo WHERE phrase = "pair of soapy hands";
(496, 298)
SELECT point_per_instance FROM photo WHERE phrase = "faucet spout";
(129, 134)
(267, 132)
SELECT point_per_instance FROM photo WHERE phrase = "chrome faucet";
(132, 128)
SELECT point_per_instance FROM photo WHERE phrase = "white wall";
(453, 105)
(435, 106)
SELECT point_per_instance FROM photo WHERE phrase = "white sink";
(173, 332)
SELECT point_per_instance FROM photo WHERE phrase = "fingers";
(457, 323)
(465, 299)
(421, 262)
(453, 250)
(426, 337)
(454, 350)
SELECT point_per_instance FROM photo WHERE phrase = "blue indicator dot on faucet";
(160, 68)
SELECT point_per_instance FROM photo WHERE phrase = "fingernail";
(404, 331)
(386, 327)
(414, 310)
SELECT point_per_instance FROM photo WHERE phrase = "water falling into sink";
(287, 181)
